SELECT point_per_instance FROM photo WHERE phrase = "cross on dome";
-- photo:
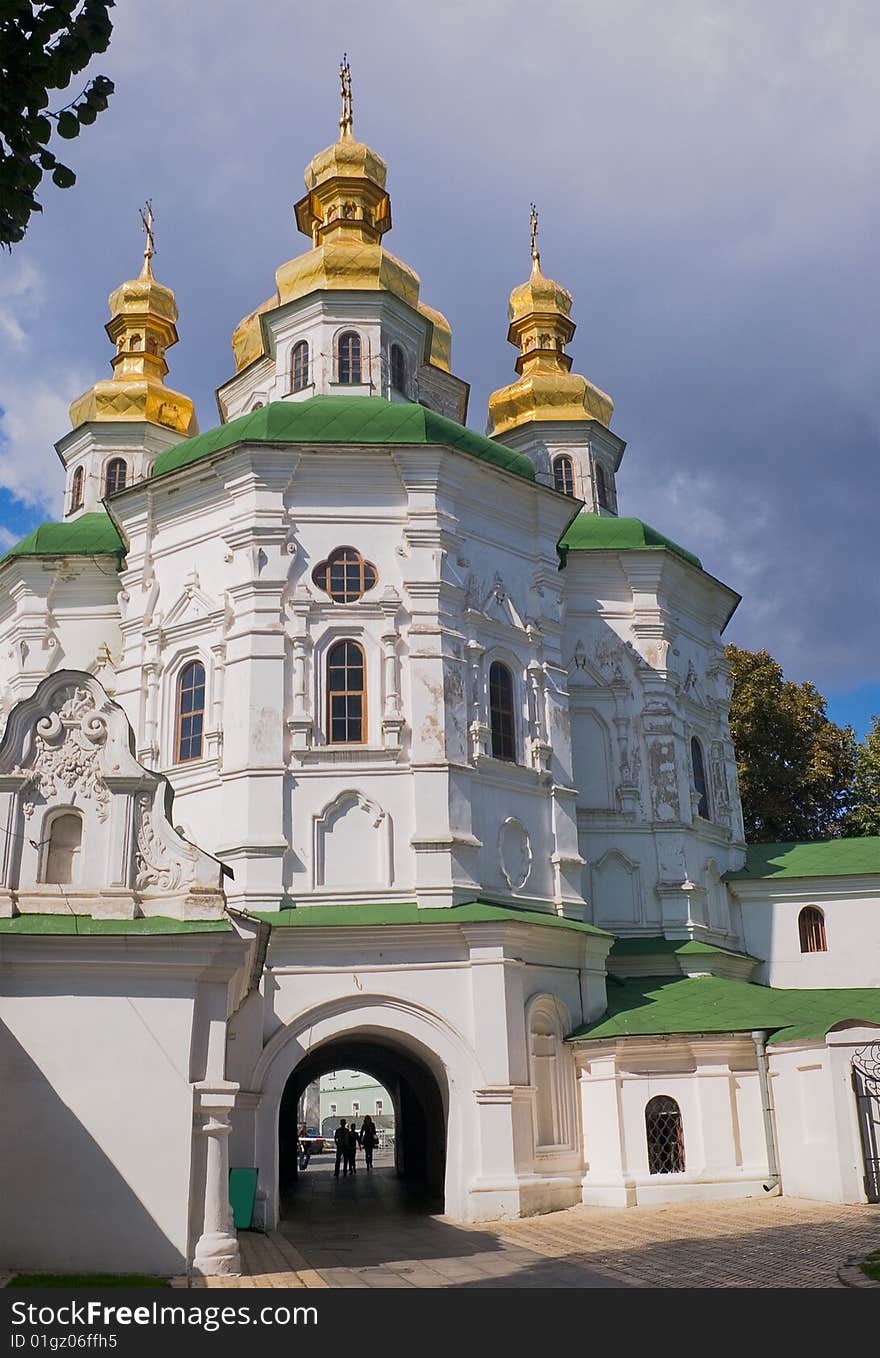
(146, 215)
(346, 121)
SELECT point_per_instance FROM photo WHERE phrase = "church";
(343, 736)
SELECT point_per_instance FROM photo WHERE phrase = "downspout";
(773, 1180)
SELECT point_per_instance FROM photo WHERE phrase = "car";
(313, 1140)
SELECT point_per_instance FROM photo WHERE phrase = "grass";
(92, 1280)
(871, 1266)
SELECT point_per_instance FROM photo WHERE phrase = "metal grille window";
(502, 721)
(116, 476)
(345, 575)
(601, 487)
(300, 374)
(563, 475)
(665, 1136)
(76, 489)
(398, 369)
(700, 784)
(346, 694)
(190, 712)
(350, 358)
(811, 930)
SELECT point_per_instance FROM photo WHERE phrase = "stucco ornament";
(514, 853)
(67, 746)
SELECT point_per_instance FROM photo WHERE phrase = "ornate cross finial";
(345, 122)
(533, 222)
(146, 213)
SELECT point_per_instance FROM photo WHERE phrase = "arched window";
(76, 488)
(190, 721)
(63, 848)
(811, 930)
(345, 575)
(349, 359)
(563, 475)
(700, 784)
(601, 487)
(398, 369)
(346, 694)
(502, 720)
(665, 1136)
(114, 481)
(300, 365)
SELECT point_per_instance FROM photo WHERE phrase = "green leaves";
(43, 46)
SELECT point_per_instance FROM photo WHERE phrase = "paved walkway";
(366, 1232)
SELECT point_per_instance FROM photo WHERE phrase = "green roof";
(824, 858)
(388, 913)
(89, 535)
(648, 1006)
(87, 925)
(667, 947)
(343, 419)
(595, 533)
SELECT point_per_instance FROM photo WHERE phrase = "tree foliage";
(42, 47)
(864, 815)
(796, 768)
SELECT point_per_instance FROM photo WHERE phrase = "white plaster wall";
(851, 907)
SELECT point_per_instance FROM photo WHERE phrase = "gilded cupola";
(345, 212)
(142, 327)
(540, 328)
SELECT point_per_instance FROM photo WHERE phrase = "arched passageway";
(419, 1109)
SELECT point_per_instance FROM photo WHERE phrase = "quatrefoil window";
(345, 575)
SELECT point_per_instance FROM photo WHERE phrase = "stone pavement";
(366, 1232)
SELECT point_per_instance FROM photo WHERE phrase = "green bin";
(242, 1192)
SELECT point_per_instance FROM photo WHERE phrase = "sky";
(708, 181)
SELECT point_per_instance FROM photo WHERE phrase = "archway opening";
(419, 1108)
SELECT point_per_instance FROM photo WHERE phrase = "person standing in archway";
(368, 1138)
(340, 1136)
(352, 1146)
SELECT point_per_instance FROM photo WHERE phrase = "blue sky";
(707, 178)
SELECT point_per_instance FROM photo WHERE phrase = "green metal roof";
(389, 913)
(343, 419)
(648, 1006)
(594, 532)
(87, 925)
(824, 858)
(668, 947)
(89, 535)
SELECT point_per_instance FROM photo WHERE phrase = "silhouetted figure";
(340, 1136)
(304, 1148)
(352, 1145)
(368, 1139)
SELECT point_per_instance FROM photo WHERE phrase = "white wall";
(851, 907)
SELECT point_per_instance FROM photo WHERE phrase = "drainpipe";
(773, 1180)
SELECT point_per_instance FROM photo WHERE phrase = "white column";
(217, 1248)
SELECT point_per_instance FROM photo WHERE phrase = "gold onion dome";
(540, 327)
(143, 313)
(345, 212)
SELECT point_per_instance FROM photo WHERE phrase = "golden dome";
(345, 212)
(540, 327)
(142, 326)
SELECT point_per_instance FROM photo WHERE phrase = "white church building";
(343, 736)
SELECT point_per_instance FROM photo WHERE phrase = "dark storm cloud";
(707, 180)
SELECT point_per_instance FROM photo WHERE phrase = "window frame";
(301, 347)
(504, 666)
(397, 357)
(330, 693)
(48, 829)
(811, 930)
(338, 557)
(113, 463)
(654, 1151)
(564, 463)
(698, 759)
(179, 715)
(77, 488)
(350, 335)
(603, 498)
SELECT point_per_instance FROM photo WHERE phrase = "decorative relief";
(66, 752)
(154, 865)
(514, 853)
(664, 780)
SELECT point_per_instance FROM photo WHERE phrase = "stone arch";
(551, 1075)
(364, 835)
(395, 1023)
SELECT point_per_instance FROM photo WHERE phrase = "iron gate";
(866, 1086)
